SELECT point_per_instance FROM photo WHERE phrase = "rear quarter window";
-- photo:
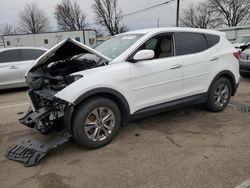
(190, 43)
(212, 40)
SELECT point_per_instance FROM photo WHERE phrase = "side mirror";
(144, 55)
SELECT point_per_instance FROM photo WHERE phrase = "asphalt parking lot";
(188, 147)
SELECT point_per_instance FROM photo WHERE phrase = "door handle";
(176, 66)
(214, 58)
(13, 67)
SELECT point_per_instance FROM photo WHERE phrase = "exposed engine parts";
(47, 112)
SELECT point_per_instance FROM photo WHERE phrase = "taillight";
(237, 55)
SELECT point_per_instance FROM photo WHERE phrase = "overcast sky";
(9, 11)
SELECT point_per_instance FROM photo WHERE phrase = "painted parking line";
(245, 184)
(14, 105)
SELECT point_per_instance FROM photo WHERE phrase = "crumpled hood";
(66, 48)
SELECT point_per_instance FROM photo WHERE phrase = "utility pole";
(178, 13)
(158, 23)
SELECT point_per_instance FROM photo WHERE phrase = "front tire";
(219, 95)
(96, 122)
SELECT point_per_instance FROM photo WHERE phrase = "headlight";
(73, 78)
(77, 77)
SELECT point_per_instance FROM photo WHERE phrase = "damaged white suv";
(90, 93)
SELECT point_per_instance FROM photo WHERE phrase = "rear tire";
(219, 95)
(96, 122)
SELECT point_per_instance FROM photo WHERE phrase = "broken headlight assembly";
(73, 78)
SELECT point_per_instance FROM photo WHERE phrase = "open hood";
(66, 48)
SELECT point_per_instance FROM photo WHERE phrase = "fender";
(228, 74)
(111, 93)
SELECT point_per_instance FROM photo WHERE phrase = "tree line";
(217, 13)
(69, 17)
(108, 15)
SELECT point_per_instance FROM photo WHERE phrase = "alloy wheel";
(99, 124)
(221, 95)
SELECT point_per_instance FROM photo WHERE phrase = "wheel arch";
(230, 76)
(112, 94)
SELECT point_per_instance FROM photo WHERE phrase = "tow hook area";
(31, 150)
(31, 118)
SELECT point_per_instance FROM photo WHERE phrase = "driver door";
(158, 80)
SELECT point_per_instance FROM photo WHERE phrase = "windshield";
(115, 46)
(245, 39)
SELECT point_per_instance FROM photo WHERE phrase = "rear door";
(9, 67)
(27, 59)
(192, 47)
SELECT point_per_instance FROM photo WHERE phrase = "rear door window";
(190, 43)
(8, 56)
(30, 54)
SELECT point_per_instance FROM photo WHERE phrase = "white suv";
(90, 93)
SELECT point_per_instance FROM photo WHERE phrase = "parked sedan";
(14, 62)
(245, 63)
(242, 42)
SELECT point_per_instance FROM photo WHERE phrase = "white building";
(49, 39)
(234, 32)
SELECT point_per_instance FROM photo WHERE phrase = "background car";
(245, 63)
(242, 42)
(14, 63)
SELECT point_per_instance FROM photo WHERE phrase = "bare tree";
(109, 16)
(200, 16)
(99, 32)
(69, 16)
(33, 19)
(232, 12)
(7, 29)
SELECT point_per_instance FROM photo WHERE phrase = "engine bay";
(57, 75)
